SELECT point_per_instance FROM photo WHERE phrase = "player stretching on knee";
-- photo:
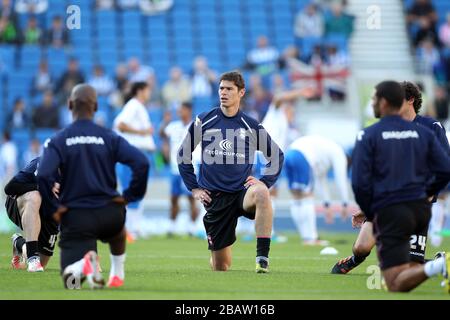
(229, 140)
(308, 160)
(365, 241)
(29, 211)
(91, 209)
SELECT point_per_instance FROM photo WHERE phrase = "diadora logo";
(225, 144)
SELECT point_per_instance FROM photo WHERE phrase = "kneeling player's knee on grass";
(221, 267)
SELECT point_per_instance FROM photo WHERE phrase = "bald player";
(90, 208)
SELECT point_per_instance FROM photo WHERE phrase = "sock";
(434, 267)
(76, 268)
(117, 266)
(172, 226)
(32, 249)
(304, 216)
(262, 247)
(358, 259)
(19, 244)
(436, 222)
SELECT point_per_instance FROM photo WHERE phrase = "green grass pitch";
(166, 269)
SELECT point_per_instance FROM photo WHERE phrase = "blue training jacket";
(228, 152)
(86, 155)
(394, 161)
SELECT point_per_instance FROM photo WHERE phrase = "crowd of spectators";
(268, 69)
(430, 40)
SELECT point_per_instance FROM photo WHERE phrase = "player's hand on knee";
(251, 181)
(201, 195)
(358, 219)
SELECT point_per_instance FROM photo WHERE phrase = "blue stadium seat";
(308, 44)
(55, 56)
(7, 55)
(30, 56)
(106, 18)
(338, 40)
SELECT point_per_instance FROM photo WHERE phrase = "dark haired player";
(366, 241)
(229, 139)
(393, 161)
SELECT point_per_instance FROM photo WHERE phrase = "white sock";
(192, 227)
(117, 266)
(434, 267)
(304, 216)
(172, 226)
(436, 223)
(75, 268)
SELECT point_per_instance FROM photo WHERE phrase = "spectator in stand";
(101, 82)
(428, 57)
(42, 80)
(138, 72)
(152, 7)
(258, 98)
(440, 107)
(425, 31)
(336, 61)
(203, 79)
(421, 10)
(127, 4)
(337, 58)
(309, 22)
(69, 79)
(104, 4)
(57, 36)
(317, 57)
(156, 100)
(32, 33)
(338, 22)
(9, 27)
(117, 97)
(31, 7)
(264, 59)
(46, 115)
(18, 118)
(177, 89)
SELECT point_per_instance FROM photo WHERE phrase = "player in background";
(175, 131)
(308, 161)
(365, 240)
(229, 139)
(134, 124)
(30, 212)
(90, 207)
(393, 161)
(277, 123)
